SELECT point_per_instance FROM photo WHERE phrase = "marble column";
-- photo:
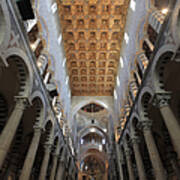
(9, 130)
(153, 151)
(162, 101)
(61, 167)
(29, 161)
(55, 161)
(121, 161)
(129, 162)
(139, 162)
(53, 171)
(45, 162)
(61, 171)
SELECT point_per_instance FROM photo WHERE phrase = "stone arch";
(48, 127)
(127, 136)
(133, 123)
(39, 95)
(159, 70)
(86, 130)
(61, 150)
(144, 91)
(24, 59)
(158, 60)
(85, 102)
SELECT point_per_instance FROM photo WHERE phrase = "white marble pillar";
(10, 128)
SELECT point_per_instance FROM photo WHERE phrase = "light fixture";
(54, 7)
(39, 64)
(92, 130)
(121, 62)
(67, 79)
(82, 141)
(115, 94)
(64, 62)
(59, 39)
(126, 37)
(100, 147)
(118, 82)
(164, 11)
(133, 5)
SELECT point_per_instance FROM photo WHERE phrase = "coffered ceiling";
(92, 35)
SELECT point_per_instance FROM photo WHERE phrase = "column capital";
(127, 150)
(55, 154)
(145, 124)
(47, 146)
(135, 139)
(162, 99)
(21, 102)
(62, 160)
(37, 128)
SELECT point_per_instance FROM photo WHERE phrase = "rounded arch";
(48, 128)
(56, 144)
(159, 70)
(94, 152)
(16, 52)
(87, 129)
(38, 95)
(78, 106)
(145, 100)
(127, 136)
(145, 90)
(162, 51)
(133, 123)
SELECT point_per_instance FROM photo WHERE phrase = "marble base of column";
(29, 161)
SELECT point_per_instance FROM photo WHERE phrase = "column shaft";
(130, 169)
(139, 162)
(154, 155)
(45, 163)
(55, 159)
(119, 154)
(9, 130)
(121, 173)
(172, 126)
(29, 161)
(60, 173)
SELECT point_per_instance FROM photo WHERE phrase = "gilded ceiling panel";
(92, 35)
